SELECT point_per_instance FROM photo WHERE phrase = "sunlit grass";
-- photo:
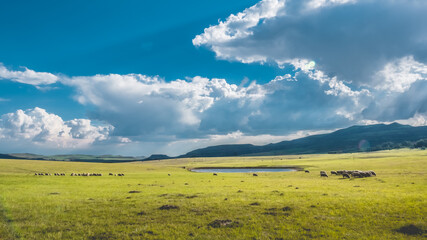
(50, 207)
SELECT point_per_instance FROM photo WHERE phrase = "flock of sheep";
(78, 174)
(349, 173)
(86, 174)
(343, 173)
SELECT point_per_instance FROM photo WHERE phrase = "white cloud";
(141, 105)
(28, 76)
(47, 130)
(417, 120)
(238, 26)
(398, 75)
(352, 40)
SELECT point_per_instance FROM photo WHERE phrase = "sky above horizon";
(144, 77)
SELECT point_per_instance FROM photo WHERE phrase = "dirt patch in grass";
(411, 229)
(168, 207)
(224, 223)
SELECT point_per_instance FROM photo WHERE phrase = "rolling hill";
(352, 139)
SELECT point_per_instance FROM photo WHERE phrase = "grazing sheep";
(356, 174)
(323, 174)
(255, 175)
(307, 171)
(345, 175)
(373, 173)
(110, 174)
(169, 174)
(215, 174)
(333, 173)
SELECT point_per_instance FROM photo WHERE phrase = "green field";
(288, 205)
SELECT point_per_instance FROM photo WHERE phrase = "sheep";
(110, 174)
(333, 173)
(255, 175)
(323, 174)
(356, 174)
(306, 171)
(372, 173)
(215, 174)
(345, 175)
(169, 174)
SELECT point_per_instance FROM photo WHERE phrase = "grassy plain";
(287, 205)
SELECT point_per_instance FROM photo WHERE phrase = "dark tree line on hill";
(422, 144)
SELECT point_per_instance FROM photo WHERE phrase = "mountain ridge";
(352, 139)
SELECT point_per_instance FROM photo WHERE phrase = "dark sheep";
(356, 174)
(255, 175)
(323, 174)
(345, 175)
(215, 174)
(111, 174)
(373, 173)
(333, 173)
(307, 171)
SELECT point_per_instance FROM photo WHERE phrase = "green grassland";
(287, 205)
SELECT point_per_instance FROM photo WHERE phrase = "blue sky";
(139, 77)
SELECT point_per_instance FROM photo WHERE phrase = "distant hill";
(73, 158)
(157, 157)
(352, 139)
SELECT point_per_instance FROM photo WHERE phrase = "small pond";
(242, 170)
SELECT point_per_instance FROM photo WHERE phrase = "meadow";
(282, 205)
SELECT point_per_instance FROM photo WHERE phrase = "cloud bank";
(36, 127)
(349, 39)
(27, 76)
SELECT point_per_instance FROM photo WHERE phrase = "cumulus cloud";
(352, 40)
(28, 76)
(143, 108)
(47, 130)
(141, 105)
(398, 75)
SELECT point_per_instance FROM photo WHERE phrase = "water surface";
(241, 170)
